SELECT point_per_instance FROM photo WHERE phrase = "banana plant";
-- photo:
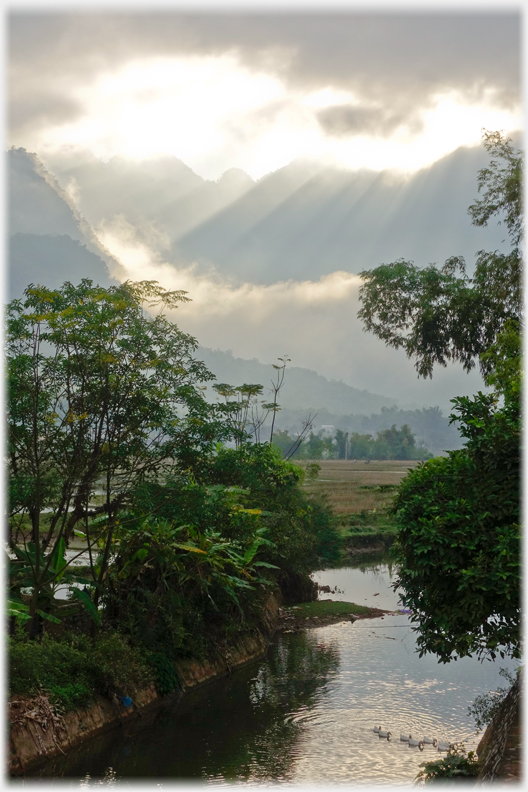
(55, 572)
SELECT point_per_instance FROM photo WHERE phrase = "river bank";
(38, 732)
(304, 712)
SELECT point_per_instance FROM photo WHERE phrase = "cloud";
(344, 120)
(397, 61)
(313, 321)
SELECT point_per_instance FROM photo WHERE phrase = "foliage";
(167, 578)
(243, 410)
(54, 572)
(390, 443)
(441, 315)
(458, 541)
(457, 765)
(485, 706)
(72, 670)
(166, 676)
(299, 525)
(501, 183)
(188, 535)
(99, 394)
(458, 516)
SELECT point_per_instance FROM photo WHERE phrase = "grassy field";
(358, 493)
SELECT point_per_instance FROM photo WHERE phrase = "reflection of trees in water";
(245, 727)
(376, 566)
(281, 699)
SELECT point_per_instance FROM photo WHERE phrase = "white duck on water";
(384, 734)
(442, 746)
(405, 738)
(416, 744)
(430, 741)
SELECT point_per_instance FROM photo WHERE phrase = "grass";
(320, 608)
(73, 669)
(358, 494)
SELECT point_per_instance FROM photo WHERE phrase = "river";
(305, 713)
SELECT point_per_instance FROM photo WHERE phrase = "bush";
(457, 765)
(72, 670)
(166, 676)
(485, 706)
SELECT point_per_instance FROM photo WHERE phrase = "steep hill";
(298, 222)
(49, 241)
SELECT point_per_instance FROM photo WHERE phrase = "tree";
(341, 439)
(458, 516)
(440, 315)
(100, 395)
(458, 537)
(397, 443)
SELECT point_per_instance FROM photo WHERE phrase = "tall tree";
(442, 314)
(100, 396)
(459, 541)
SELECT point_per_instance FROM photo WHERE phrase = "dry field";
(352, 487)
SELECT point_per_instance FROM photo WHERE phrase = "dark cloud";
(398, 60)
(343, 120)
(48, 107)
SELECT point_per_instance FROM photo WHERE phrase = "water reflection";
(305, 713)
(367, 581)
(248, 727)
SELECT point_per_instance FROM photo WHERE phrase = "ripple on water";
(305, 714)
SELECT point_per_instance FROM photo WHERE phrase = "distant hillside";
(303, 389)
(298, 222)
(334, 403)
(50, 261)
(49, 241)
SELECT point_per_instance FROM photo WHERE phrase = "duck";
(429, 741)
(444, 746)
(403, 738)
(376, 729)
(385, 734)
(416, 744)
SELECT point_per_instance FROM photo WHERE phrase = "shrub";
(72, 670)
(485, 706)
(166, 676)
(457, 765)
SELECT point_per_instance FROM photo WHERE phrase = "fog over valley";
(260, 163)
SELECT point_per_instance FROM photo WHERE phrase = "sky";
(255, 90)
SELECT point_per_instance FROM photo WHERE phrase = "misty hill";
(162, 198)
(333, 403)
(298, 222)
(303, 389)
(49, 241)
(50, 261)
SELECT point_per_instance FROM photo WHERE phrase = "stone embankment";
(38, 732)
(500, 751)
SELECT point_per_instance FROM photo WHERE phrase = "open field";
(355, 487)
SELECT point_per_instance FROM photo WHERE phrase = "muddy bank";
(38, 732)
(500, 751)
(290, 619)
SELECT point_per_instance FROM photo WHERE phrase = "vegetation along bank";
(184, 527)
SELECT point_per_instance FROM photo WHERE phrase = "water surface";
(305, 713)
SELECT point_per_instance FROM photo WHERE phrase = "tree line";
(390, 443)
